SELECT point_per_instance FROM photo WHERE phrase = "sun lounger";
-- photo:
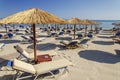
(70, 44)
(30, 56)
(29, 39)
(80, 36)
(11, 35)
(116, 39)
(55, 34)
(10, 30)
(27, 32)
(1, 36)
(26, 39)
(83, 42)
(38, 39)
(2, 45)
(38, 69)
(90, 36)
(61, 33)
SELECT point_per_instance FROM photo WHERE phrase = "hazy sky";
(83, 9)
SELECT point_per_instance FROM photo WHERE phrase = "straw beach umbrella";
(89, 22)
(32, 16)
(85, 22)
(74, 21)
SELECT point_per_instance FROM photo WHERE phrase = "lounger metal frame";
(19, 73)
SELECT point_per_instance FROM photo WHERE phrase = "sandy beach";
(99, 61)
(60, 40)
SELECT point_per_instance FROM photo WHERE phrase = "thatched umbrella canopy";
(86, 22)
(32, 16)
(74, 21)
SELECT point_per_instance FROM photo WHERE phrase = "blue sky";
(83, 9)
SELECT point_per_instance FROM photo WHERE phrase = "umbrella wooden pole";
(79, 26)
(6, 28)
(85, 30)
(67, 25)
(55, 27)
(91, 28)
(74, 30)
(34, 37)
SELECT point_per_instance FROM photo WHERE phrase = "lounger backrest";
(118, 34)
(10, 35)
(22, 66)
(27, 31)
(2, 45)
(1, 35)
(80, 35)
(52, 65)
(65, 42)
(18, 48)
(17, 30)
(21, 51)
(10, 30)
(26, 54)
(90, 35)
(25, 37)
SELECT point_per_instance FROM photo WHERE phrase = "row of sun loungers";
(8, 35)
(29, 39)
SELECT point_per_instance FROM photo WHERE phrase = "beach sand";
(99, 61)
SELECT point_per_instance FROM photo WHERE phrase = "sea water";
(107, 24)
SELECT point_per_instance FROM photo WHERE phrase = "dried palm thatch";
(32, 16)
(89, 22)
(74, 21)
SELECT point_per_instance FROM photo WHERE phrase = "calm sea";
(107, 23)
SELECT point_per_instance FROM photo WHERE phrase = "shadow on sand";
(99, 56)
(7, 77)
(10, 41)
(103, 42)
(3, 62)
(105, 37)
(5, 58)
(64, 38)
(47, 46)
